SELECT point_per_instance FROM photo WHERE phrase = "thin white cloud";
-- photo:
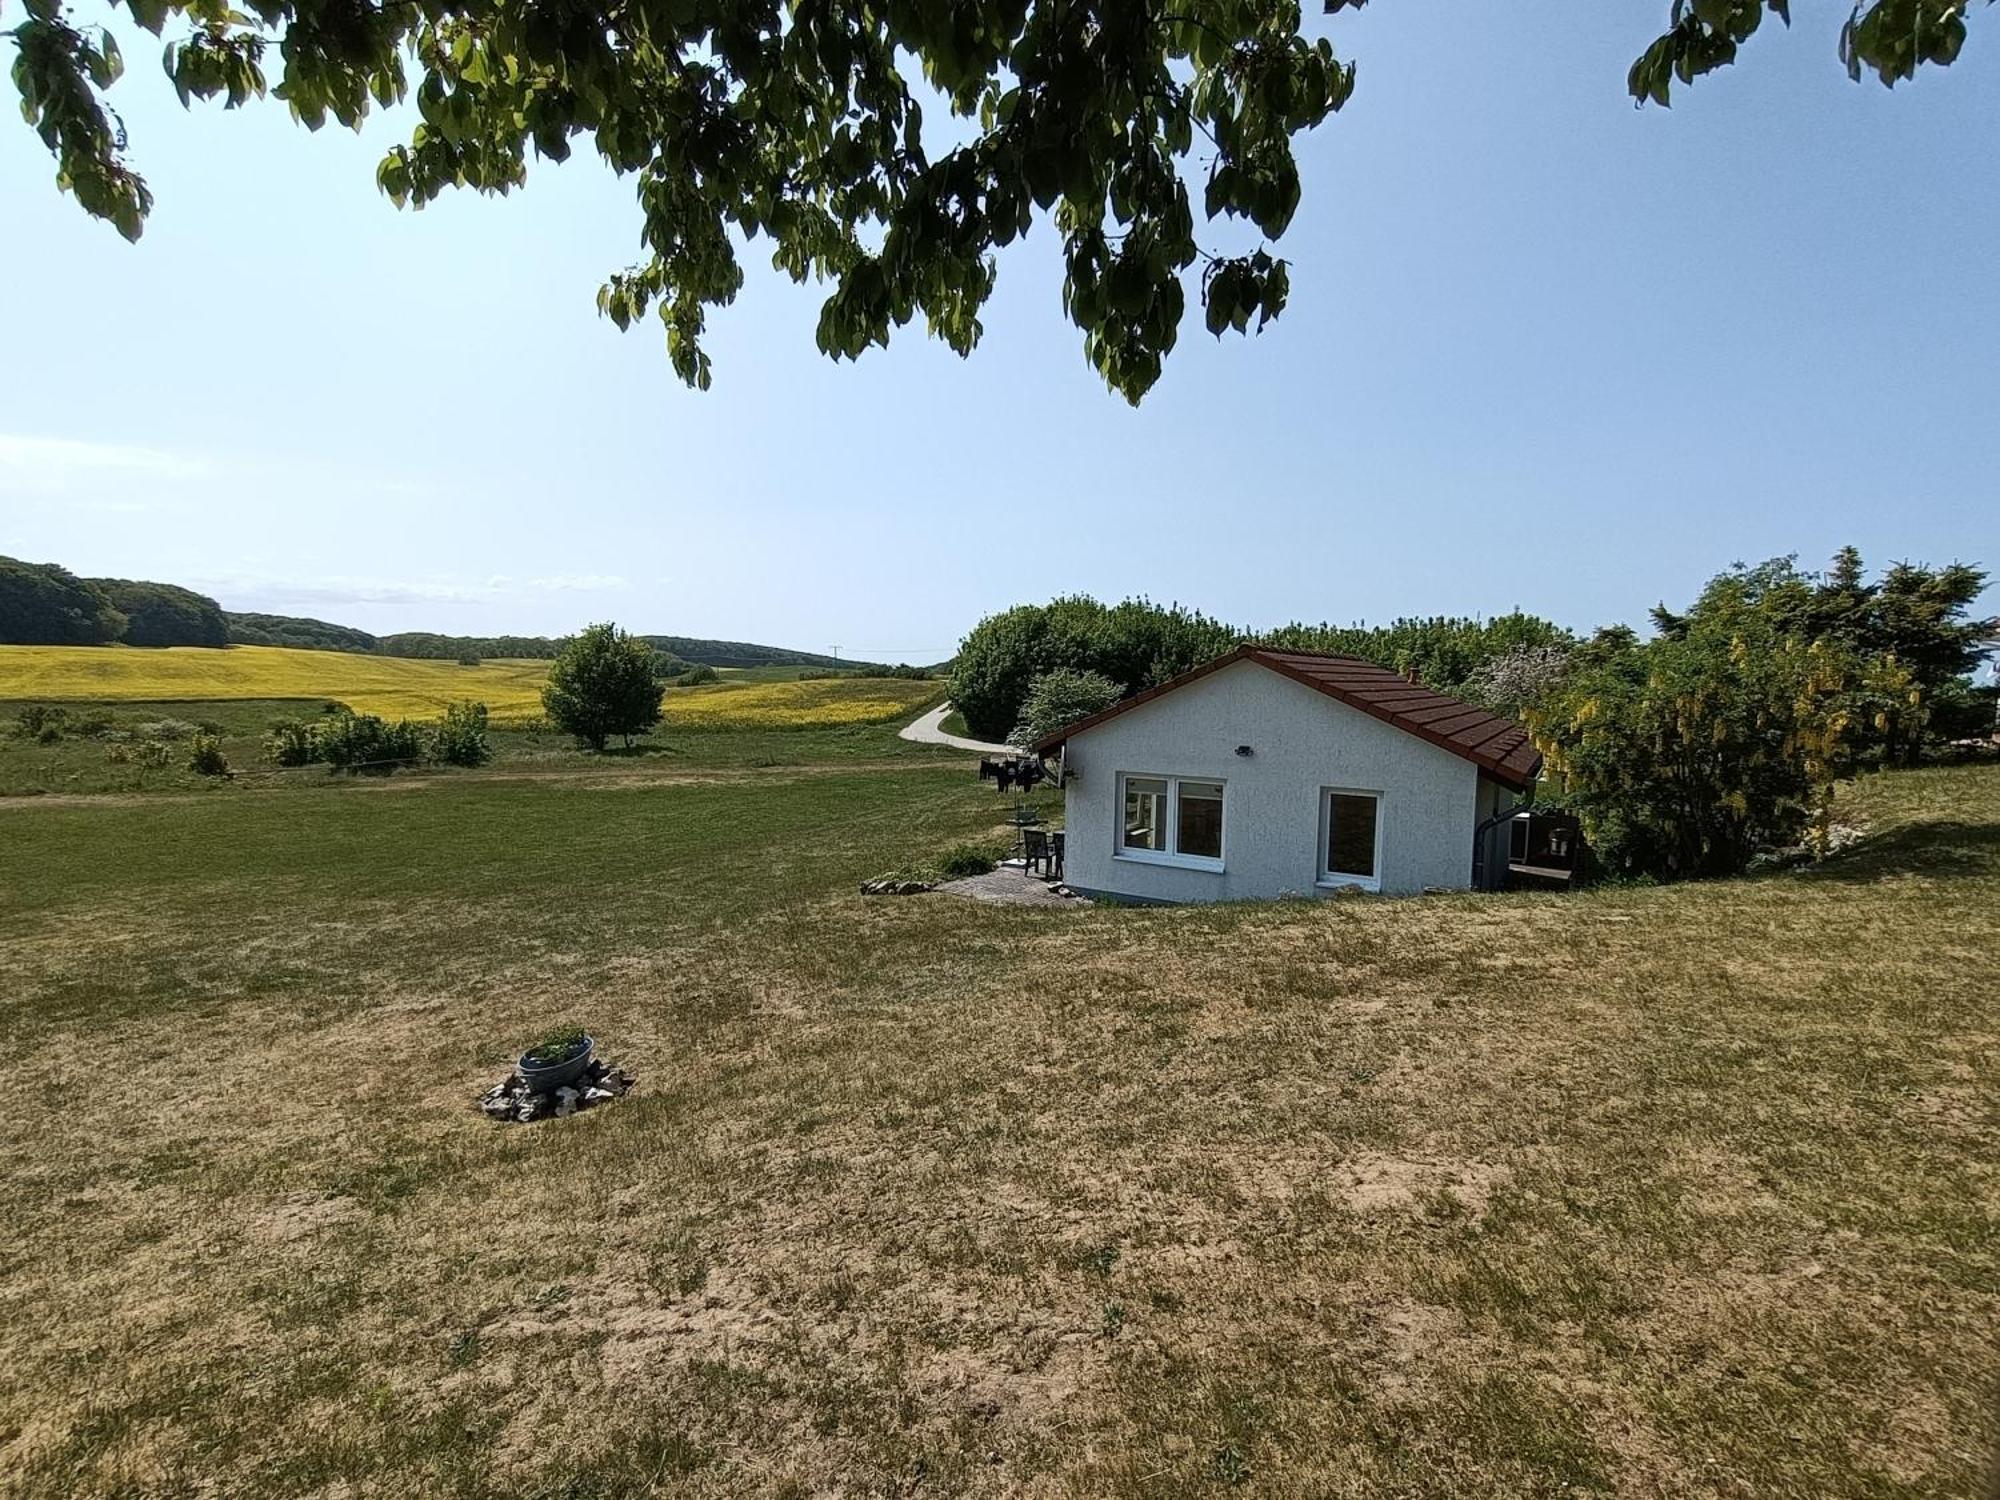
(35, 463)
(332, 593)
(91, 476)
(578, 583)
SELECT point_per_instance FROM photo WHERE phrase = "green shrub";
(1687, 754)
(363, 742)
(41, 722)
(205, 757)
(402, 742)
(293, 742)
(1062, 697)
(153, 755)
(700, 676)
(117, 755)
(459, 738)
(902, 671)
(963, 861)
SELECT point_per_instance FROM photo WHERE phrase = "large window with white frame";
(1171, 820)
(1350, 838)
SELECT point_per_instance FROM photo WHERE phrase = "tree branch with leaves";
(799, 126)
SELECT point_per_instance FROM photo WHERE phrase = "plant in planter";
(559, 1058)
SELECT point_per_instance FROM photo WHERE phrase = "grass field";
(762, 698)
(81, 763)
(1686, 1191)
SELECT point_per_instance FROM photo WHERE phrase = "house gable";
(1278, 749)
(1500, 747)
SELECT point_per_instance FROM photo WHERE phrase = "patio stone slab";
(1010, 885)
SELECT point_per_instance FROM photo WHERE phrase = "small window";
(1171, 820)
(1352, 824)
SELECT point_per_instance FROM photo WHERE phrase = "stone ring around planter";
(513, 1101)
(546, 1078)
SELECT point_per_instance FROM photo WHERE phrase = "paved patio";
(1010, 885)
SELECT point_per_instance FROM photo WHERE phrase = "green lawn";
(1689, 1191)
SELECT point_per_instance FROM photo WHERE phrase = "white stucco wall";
(1302, 741)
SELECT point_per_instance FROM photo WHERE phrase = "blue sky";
(1543, 350)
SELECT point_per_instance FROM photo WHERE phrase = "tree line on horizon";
(44, 604)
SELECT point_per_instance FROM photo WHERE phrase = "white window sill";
(1348, 883)
(1172, 861)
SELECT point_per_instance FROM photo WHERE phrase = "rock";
(511, 1101)
(1780, 859)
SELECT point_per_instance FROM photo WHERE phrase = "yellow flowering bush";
(1686, 755)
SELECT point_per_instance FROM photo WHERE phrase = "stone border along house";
(1265, 773)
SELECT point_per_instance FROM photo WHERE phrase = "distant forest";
(44, 604)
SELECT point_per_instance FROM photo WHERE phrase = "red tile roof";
(1500, 747)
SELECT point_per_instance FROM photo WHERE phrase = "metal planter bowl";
(544, 1078)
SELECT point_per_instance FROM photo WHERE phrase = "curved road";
(929, 730)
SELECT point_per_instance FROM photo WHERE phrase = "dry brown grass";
(1645, 1192)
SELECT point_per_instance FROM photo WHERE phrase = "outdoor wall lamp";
(1245, 750)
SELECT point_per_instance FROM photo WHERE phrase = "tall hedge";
(1445, 652)
(1135, 644)
(1138, 643)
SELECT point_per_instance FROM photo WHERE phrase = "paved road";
(929, 730)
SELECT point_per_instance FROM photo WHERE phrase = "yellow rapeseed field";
(397, 688)
(814, 704)
(386, 685)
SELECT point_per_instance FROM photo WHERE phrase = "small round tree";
(602, 683)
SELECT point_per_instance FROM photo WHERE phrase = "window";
(1351, 838)
(1168, 820)
(1198, 823)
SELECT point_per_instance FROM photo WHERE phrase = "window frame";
(1333, 880)
(1171, 855)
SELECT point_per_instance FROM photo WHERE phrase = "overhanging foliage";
(802, 125)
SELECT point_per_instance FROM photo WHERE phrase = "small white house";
(1264, 773)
